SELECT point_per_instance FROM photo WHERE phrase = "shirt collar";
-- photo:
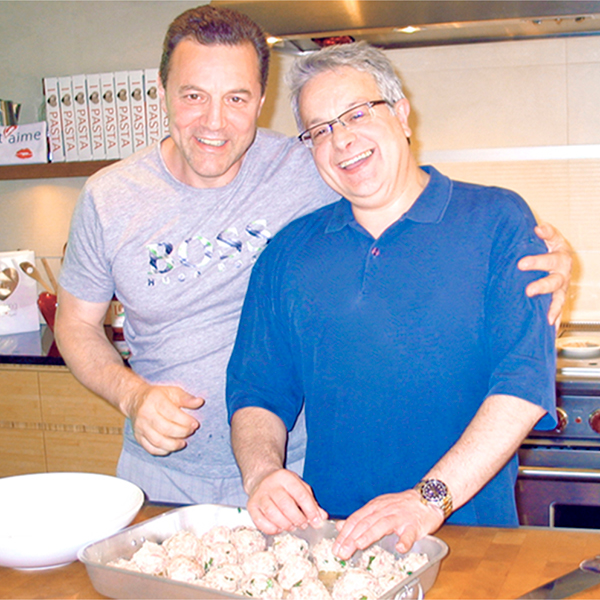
(429, 207)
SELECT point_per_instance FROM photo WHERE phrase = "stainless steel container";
(119, 583)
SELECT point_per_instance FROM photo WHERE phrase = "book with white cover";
(94, 96)
(67, 115)
(138, 109)
(164, 123)
(124, 123)
(82, 118)
(55, 137)
(109, 115)
(153, 109)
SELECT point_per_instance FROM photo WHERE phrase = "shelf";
(52, 170)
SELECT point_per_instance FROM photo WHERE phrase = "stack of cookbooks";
(103, 116)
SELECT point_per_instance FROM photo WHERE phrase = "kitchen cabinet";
(52, 170)
(50, 422)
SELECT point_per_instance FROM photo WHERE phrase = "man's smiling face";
(213, 100)
(368, 164)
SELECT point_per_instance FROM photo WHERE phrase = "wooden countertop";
(482, 563)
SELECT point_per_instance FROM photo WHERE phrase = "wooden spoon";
(53, 282)
(30, 270)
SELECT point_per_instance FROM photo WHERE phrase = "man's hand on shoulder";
(160, 422)
(558, 263)
(282, 501)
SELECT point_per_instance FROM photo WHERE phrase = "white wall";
(511, 99)
(493, 113)
(52, 38)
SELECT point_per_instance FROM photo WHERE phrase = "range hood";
(305, 25)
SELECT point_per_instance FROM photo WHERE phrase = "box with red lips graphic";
(20, 144)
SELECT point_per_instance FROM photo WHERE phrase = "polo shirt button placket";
(375, 251)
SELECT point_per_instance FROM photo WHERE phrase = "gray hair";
(358, 55)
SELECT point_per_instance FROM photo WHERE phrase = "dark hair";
(209, 25)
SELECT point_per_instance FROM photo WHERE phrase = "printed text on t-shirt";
(196, 254)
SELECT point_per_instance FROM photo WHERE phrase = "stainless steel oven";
(559, 472)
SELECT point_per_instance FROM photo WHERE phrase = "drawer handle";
(562, 474)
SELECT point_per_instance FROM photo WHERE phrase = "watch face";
(434, 490)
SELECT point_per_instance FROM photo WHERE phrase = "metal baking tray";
(119, 583)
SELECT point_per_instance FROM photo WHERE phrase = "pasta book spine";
(124, 122)
(55, 134)
(67, 115)
(82, 118)
(94, 96)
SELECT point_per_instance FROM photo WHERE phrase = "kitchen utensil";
(9, 112)
(50, 274)
(30, 270)
(582, 578)
(119, 583)
(46, 518)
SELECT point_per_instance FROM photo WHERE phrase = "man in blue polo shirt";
(399, 317)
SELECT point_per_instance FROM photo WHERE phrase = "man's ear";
(402, 110)
(162, 95)
(262, 101)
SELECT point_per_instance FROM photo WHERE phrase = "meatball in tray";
(210, 551)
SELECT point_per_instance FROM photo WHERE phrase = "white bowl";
(45, 518)
(576, 346)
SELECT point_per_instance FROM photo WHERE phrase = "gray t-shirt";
(179, 260)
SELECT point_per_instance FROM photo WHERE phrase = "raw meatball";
(217, 535)
(225, 578)
(286, 545)
(220, 553)
(184, 568)
(123, 563)
(356, 584)
(325, 559)
(377, 561)
(261, 562)
(151, 558)
(411, 562)
(392, 579)
(183, 543)
(261, 586)
(309, 589)
(248, 540)
(295, 571)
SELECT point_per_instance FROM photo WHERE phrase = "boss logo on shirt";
(194, 255)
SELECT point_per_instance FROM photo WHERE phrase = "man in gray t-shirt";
(174, 231)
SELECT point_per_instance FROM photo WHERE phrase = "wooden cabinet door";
(21, 429)
(83, 432)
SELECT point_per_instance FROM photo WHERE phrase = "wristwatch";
(436, 492)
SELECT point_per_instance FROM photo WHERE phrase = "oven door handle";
(559, 474)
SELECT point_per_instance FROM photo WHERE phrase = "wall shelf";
(53, 170)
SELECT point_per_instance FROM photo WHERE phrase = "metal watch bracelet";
(435, 492)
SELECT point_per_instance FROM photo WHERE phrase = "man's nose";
(341, 134)
(214, 115)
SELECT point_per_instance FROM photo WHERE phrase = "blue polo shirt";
(393, 344)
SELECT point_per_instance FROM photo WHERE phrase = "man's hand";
(403, 514)
(158, 412)
(159, 420)
(558, 262)
(282, 501)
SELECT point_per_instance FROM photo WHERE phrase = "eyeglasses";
(353, 117)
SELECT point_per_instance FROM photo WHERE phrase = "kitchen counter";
(32, 348)
(484, 562)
